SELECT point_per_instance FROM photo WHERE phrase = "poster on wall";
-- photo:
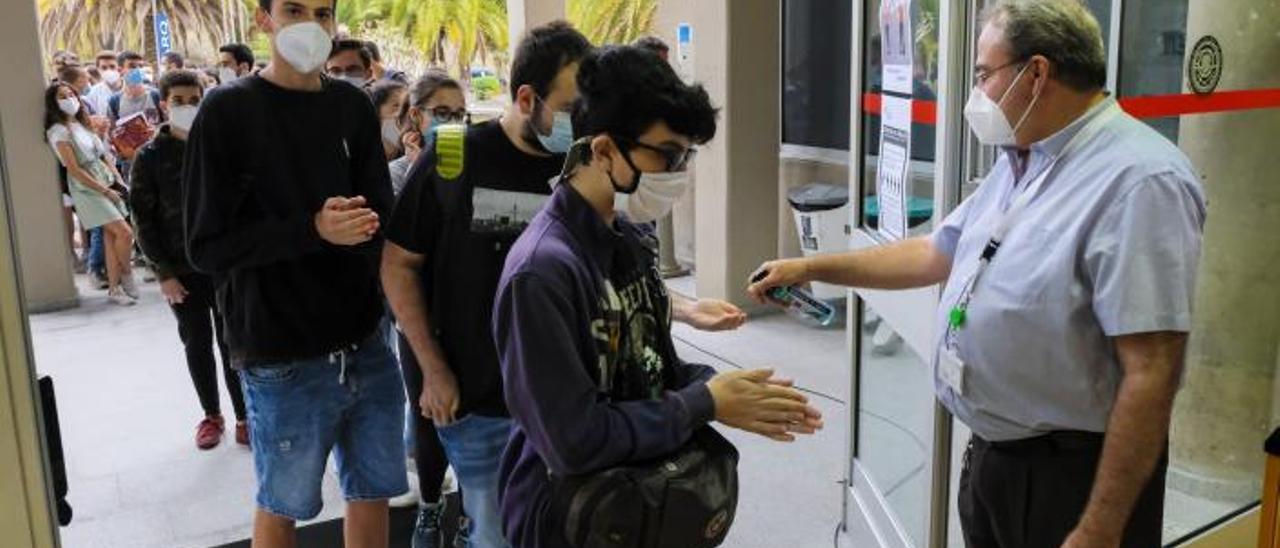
(893, 176)
(897, 45)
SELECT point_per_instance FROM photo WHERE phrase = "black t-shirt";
(465, 227)
(261, 161)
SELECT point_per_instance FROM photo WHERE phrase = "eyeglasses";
(676, 160)
(980, 77)
(446, 115)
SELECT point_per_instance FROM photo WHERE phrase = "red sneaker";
(209, 432)
(242, 433)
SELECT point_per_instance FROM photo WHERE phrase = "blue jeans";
(97, 252)
(351, 404)
(474, 445)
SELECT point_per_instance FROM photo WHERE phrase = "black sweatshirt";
(155, 196)
(261, 161)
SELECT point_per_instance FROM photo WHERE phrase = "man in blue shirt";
(1069, 281)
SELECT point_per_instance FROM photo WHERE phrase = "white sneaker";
(130, 286)
(410, 498)
(118, 296)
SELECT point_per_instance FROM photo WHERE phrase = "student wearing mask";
(435, 99)
(91, 178)
(388, 100)
(156, 201)
(350, 62)
(581, 318)
(112, 82)
(285, 188)
(136, 97)
(234, 61)
(457, 228)
(78, 78)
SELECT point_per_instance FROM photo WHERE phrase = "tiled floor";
(128, 415)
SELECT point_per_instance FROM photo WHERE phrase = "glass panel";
(925, 85)
(1153, 46)
(816, 47)
(895, 417)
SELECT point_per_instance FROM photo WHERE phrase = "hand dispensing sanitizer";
(800, 302)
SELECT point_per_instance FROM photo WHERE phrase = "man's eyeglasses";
(676, 159)
(980, 77)
(446, 115)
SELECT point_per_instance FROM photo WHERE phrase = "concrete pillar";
(669, 14)
(526, 14)
(1228, 401)
(30, 170)
(736, 44)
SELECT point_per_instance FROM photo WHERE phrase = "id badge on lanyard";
(951, 369)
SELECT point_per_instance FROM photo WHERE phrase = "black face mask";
(635, 175)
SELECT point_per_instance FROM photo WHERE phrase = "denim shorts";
(350, 403)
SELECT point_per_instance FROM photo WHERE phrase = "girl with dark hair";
(388, 99)
(91, 176)
(433, 100)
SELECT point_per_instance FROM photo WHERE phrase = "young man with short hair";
(111, 83)
(234, 61)
(172, 61)
(156, 202)
(582, 320)
(447, 241)
(350, 61)
(284, 192)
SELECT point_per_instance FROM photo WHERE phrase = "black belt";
(1057, 441)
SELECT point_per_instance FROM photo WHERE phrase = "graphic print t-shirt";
(465, 227)
(633, 330)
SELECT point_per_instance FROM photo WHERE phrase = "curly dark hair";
(53, 114)
(625, 90)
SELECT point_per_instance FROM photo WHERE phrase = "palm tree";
(612, 21)
(198, 26)
(449, 32)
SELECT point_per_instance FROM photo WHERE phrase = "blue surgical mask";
(135, 77)
(561, 134)
(429, 134)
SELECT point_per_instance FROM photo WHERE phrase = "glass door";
(896, 425)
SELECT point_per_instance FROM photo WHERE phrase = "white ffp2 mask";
(70, 106)
(305, 46)
(988, 122)
(182, 116)
(654, 196)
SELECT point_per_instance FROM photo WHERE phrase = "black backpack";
(687, 499)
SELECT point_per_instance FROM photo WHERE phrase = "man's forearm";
(1137, 437)
(404, 291)
(902, 265)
